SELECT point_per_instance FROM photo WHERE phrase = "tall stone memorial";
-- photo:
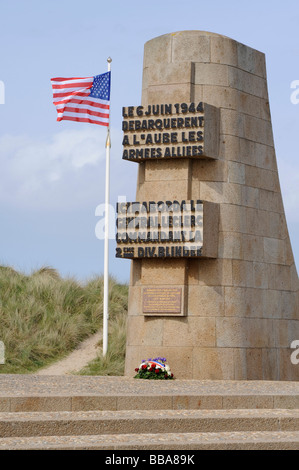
(213, 287)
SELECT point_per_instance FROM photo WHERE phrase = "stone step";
(133, 401)
(145, 421)
(22, 393)
(249, 440)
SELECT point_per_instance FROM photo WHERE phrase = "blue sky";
(52, 175)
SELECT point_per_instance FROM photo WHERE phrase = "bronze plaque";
(162, 300)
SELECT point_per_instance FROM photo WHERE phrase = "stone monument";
(213, 286)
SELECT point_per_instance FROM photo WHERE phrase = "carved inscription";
(168, 131)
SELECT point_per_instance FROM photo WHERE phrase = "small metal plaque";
(162, 300)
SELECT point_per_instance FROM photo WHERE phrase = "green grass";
(43, 317)
(114, 361)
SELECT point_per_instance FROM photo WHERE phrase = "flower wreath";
(155, 369)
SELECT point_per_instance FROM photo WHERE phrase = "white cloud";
(65, 169)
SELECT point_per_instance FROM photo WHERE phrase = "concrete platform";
(75, 412)
(81, 393)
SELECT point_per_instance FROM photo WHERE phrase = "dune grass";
(43, 317)
(114, 361)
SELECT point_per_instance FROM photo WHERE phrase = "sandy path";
(79, 358)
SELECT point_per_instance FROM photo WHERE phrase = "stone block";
(247, 82)
(4, 404)
(224, 51)
(269, 180)
(176, 93)
(281, 331)
(287, 371)
(135, 300)
(242, 273)
(205, 301)
(254, 106)
(270, 200)
(231, 332)
(167, 170)
(214, 171)
(253, 248)
(230, 245)
(272, 307)
(277, 226)
(294, 281)
(215, 272)
(239, 332)
(250, 197)
(221, 192)
(289, 305)
(168, 74)
(157, 51)
(282, 278)
(260, 275)
(135, 274)
(229, 147)
(240, 364)
(224, 98)
(29, 404)
(195, 332)
(144, 331)
(270, 364)
(265, 157)
(236, 172)
(94, 403)
(274, 251)
(251, 60)
(190, 46)
(198, 402)
(232, 218)
(286, 402)
(254, 358)
(211, 74)
(232, 122)
(253, 176)
(258, 130)
(258, 222)
(247, 402)
(155, 402)
(247, 153)
(197, 94)
(243, 302)
(163, 271)
(213, 363)
(166, 190)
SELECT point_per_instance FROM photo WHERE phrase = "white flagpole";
(106, 244)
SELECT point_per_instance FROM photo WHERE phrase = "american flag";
(83, 99)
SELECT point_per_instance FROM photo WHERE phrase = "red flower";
(144, 366)
(157, 371)
(136, 370)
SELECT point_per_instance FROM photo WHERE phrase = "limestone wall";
(243, 307)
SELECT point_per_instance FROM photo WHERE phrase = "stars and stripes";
(83, 99)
